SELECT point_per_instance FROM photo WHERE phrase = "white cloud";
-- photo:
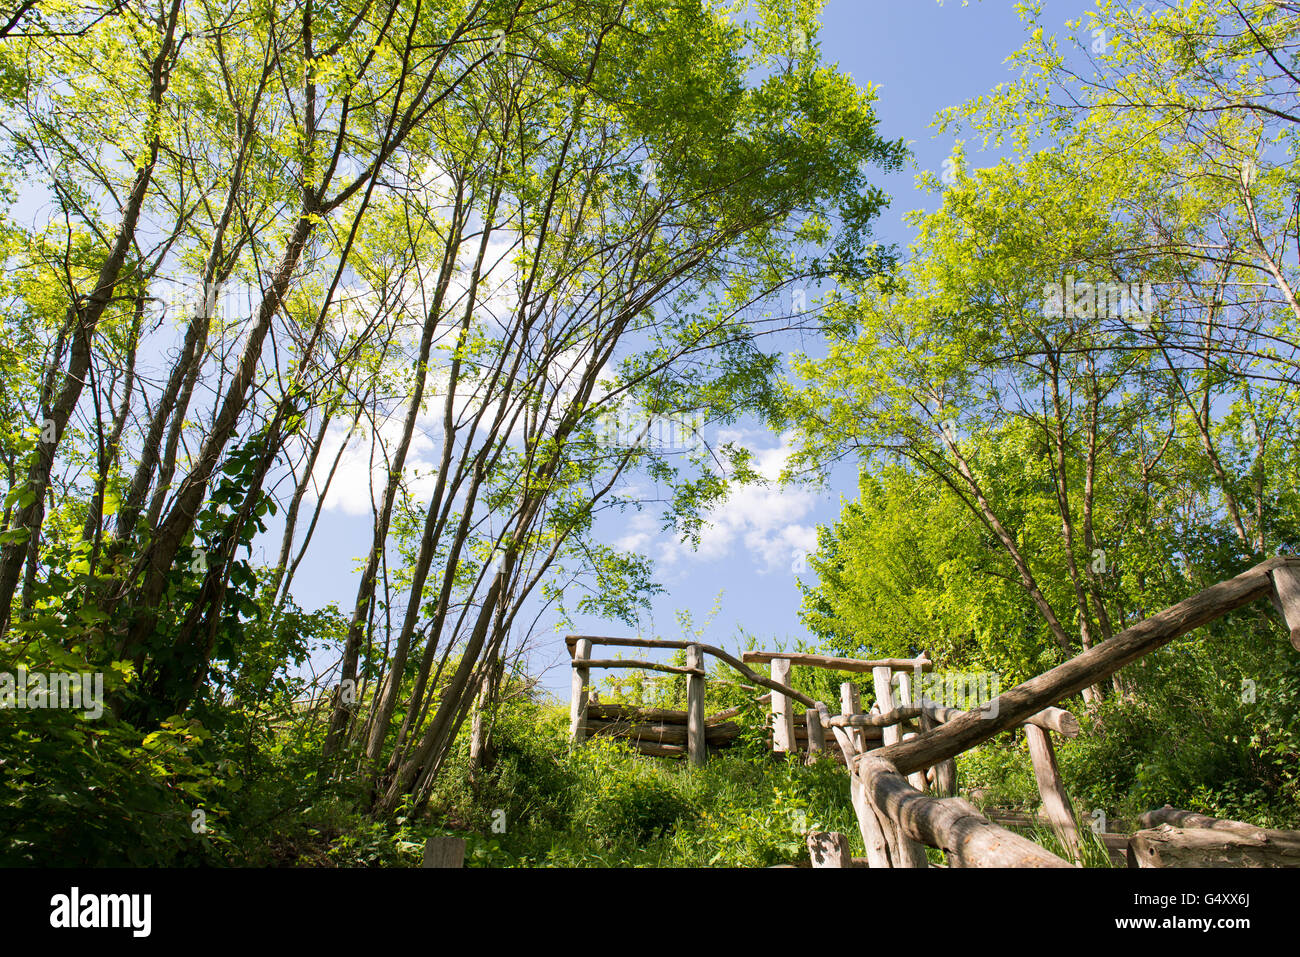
(762, 522)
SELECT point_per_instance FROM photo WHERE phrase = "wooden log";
(695, 707)
(968, 838)
(1049, 719)
(758, 679)
(782, 713)
(1098, 663)
(816, 735)
(623, 712)
(653, 749)
(852, 665)
(916, 778)
(883, 681)
(444, 852)
(1010, 817)
(632, 731)
(1116, 847)
(721, 734)
(572, 642)
(1170, 846)
(870, 729)
(873, 834)
(1286, 586)
(1056, 802)
(1170, 815)
(851, 704)
(578, 691)
(633, 663)
(943, 776)
(717, 735)
(903, 851)
(829, 848)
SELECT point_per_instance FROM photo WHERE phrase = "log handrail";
(571, 642)
(633, 663)
(1017, 705)
(852, 665)
(894, 716)
(953, 825)
(1049, 719)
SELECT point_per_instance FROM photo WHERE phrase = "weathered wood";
(851, 704)
(968, 838)
(1170, 846)
(1286, 585)
(578, 691)
(829, 849)
(782, 712)
(1056, 802)
(816, 734)
(1049, 719)
(695, 707)
(943, 776)
(869, 726)
(852, 665)
(1011, 817)
(873, 834)
(905, 700)
(623, 712)
(633, 731)
(883, 681)
(444, 852)
(654, 749)
(572, 641)
(717, 734)
(1170, 815)
(1099, 662)
(579, 665)
(903, 851)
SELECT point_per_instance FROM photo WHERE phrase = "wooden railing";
(660, 733)
(895, 817)
(906, 744)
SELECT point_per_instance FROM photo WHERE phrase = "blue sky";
(924, 56)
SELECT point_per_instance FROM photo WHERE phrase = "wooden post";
(1286, 584)
(816, 733)
(851, 703)
(944, 774)
(695, 742)
(905, 700)
(904, 852)
(578, 692)
(1052, 790)
(882, 679)
(1169, 846)
(874, 838)
(782, 715)
(444, 852)
(829, 849)
(951, 824)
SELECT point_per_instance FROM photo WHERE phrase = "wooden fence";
(905, 745)
(658, 732)
(897, 819)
